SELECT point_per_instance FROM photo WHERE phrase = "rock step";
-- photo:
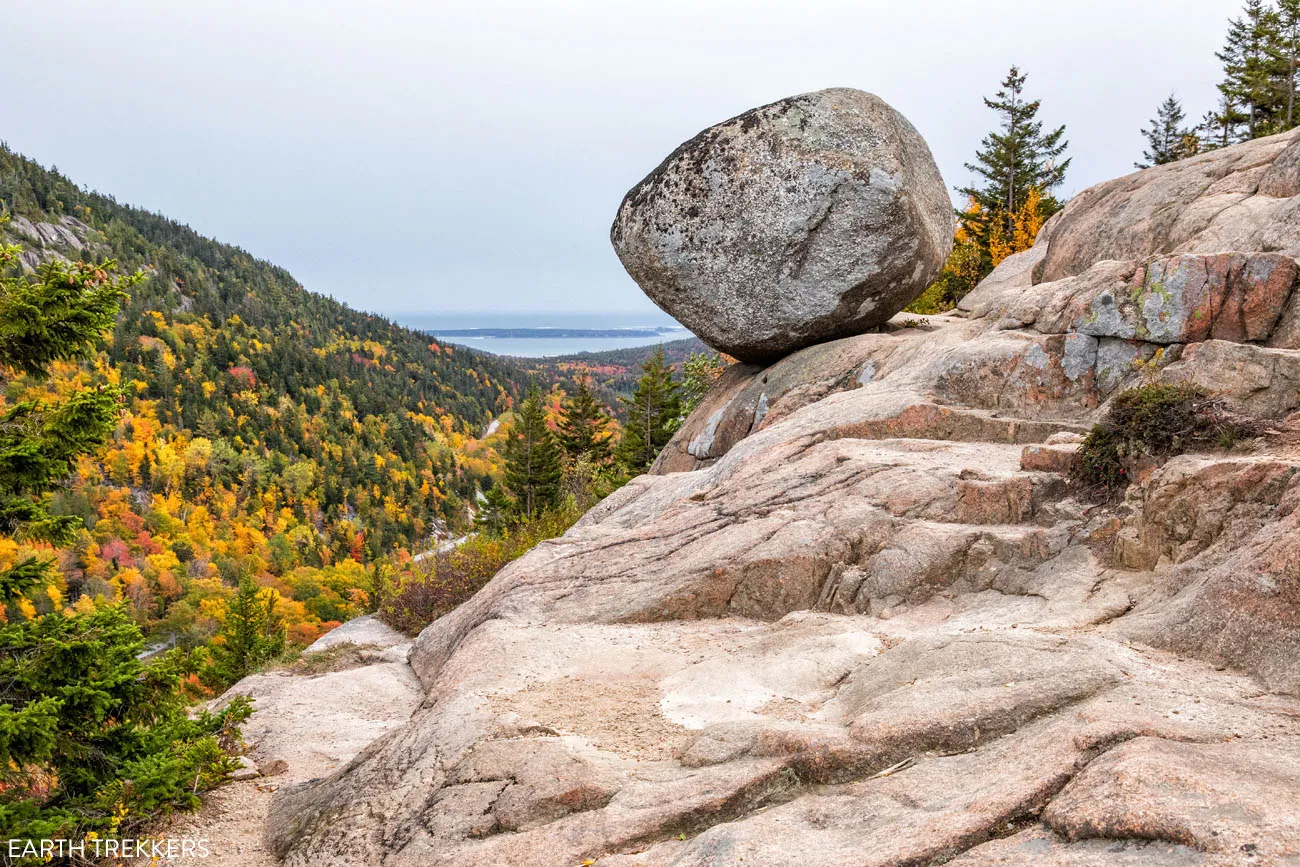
(923, 559)
(1255, 380)
(955, 424)
(1056, 458)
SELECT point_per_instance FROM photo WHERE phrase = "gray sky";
(429, 156)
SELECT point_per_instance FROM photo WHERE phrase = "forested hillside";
(267, 431)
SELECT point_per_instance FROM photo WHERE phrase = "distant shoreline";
(553, 333)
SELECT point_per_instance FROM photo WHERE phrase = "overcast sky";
(428, 155)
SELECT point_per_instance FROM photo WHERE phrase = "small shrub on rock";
(1155, 421)
(410, 601)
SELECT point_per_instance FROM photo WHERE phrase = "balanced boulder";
(815, 217)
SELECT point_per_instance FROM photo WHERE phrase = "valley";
(268, 433)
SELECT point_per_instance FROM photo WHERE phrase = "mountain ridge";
(312, 440)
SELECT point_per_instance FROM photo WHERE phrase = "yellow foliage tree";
(1016, 234)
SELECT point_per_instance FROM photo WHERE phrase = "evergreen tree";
(584, 425)
(1286, 52)
(1259, 76)
(494, 512)
(1218, 126)
(1017, 158)
(56, 315)
(90, 737)
(251, 634)
(532, 457)
(80, 715)
(1167, 139)
(654, 413)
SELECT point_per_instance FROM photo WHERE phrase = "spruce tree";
(1167, 139)
(494, 512)
(1286, 52)
(532, 457)
(1016, 158)
(1218, 126)
(1255, 68)
(90, 737)
(654, 413)
(251, 634)
(55, 315)
(584, 425)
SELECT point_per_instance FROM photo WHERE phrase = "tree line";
(1256, 95)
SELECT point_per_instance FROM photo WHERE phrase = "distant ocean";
(534, 345)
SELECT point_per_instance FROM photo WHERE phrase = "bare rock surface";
(373, 640)
(860, 617)
(68, 239)
(303, 727)
(815, 217)
(1237, 199)
(1191, 793)
(367, 630)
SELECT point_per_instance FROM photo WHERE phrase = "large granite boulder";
(815, 217)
